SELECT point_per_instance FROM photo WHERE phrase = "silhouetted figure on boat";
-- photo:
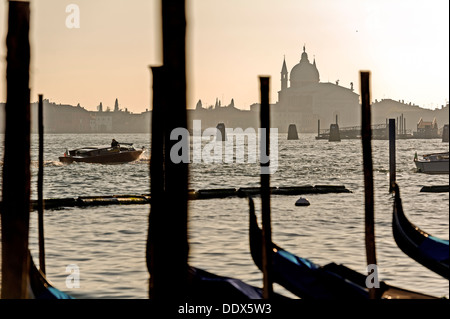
(114, 143)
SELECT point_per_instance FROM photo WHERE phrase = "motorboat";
(433, 163)
(123, 153)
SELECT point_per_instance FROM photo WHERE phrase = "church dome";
(304, 72)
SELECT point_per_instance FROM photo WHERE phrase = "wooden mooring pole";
(318, 128)
(41, 185)
(392, 160)
(265, 189)
(366, 135)
(15, 210)
(221, 134)
(445, 133)
(167, 246)
(155, 252)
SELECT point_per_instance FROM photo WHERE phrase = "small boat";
(308, 280)
(123, 153)
(433, 163)
(431, 252)
(40, 287)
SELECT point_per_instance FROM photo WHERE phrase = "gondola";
(204, 286)
(40, 287)
(308, 280)
(431, 252)
(208, 286)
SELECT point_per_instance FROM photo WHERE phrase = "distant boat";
(433, 163)
(103, 155)
(308, 280)
(424, 248)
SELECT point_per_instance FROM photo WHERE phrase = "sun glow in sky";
(404, 43)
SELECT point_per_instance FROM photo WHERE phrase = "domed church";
(303, 100)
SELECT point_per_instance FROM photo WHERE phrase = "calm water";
(108, 243)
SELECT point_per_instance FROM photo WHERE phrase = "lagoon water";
(107, 244)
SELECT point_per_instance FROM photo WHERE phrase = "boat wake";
(35, 164)
(143, 159)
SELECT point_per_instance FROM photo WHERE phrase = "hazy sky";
(404, 43)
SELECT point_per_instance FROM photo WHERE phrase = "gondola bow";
(430, 251)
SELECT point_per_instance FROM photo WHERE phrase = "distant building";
(305, 100)
(427, 129)
(63, 118)
(302, 100)
(102, 123)
(231, 116)
(411, 113)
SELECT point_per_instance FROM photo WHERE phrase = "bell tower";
(284, 75)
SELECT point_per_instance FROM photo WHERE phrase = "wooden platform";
(435, 189)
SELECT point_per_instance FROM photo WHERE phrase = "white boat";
(433, 163)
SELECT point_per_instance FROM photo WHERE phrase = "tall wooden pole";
(265, 188)
(41, 185)
(15, 211)
(176, 179)
(392, 160)
(168, 223)
(366, 134)
(318, 128)
(155, 242)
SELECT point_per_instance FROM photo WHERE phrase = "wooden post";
(392, 160)
(167, 242)
(15, 212)
(396, 127)
(223, 134)
(386, 131)
(155, 252)
(445, 133)
(265, 188)
(318, 128)
(366, 134)
(40, 185)
(403, 124)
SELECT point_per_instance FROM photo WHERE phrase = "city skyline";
(229, 44)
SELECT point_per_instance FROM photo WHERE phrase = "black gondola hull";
(431, 252)
(310, 281)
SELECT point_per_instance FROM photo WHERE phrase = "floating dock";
(58, 203)
(379, 132)
(435, 189)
